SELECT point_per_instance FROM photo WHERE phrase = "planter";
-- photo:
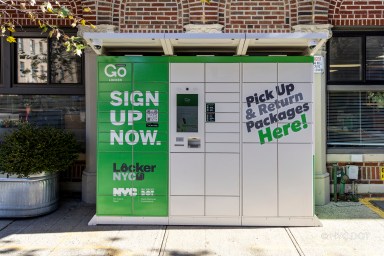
(28, 197)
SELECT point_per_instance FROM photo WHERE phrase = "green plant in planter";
(33, 150)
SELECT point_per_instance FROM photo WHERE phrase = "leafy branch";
(43, 14)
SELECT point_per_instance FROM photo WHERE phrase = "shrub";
(32, 150)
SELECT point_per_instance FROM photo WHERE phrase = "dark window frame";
(5, 71)
(8, 70)
(363, 85)
(363, 36)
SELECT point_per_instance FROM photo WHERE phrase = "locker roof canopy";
(297, 43)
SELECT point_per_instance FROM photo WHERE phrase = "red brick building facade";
(236, 16)
(242, 16)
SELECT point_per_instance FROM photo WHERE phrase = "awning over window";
(297, 43)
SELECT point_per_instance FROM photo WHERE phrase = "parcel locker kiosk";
(234, 146)
(243, 155)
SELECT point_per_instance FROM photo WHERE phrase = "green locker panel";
(132, 134)
(150, 205)
(114, 206)
(150, 72)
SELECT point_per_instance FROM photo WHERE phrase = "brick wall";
(356, 13)
(369, 172)
(258, 16)
(320, 12)
(236, 16)
(151, 15)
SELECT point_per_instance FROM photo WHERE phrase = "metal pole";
(334, 175)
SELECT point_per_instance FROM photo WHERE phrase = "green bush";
(32, 150)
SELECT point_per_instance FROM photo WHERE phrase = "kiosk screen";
(187, 112)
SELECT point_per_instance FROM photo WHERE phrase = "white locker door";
(259, 180)
(222, 174)
(295, 151)
(187, 174)
(295, 180)
(187, 184)
(222, 137)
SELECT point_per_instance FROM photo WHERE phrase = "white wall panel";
(222, 147)
(259, 179)
(227, 107)
(295, 72)
(302, 136)
(253, 136)
(222, 72)
(187, 174)
(250, 89)
(186, 205)
(222, 97)
(186, 72)
(303, 92)
(222, 127)
(222, 87)
(222, 174)
(259, 72)
(222, 137)
(222, 206)
(260, 111)
(295, 180)
(308, 114)
(227, 117)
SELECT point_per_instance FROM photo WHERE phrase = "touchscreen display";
(187, 112)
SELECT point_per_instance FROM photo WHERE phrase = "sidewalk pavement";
(348, 229)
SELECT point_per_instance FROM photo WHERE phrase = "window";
(375, 58)
(42, 47)
(32, 46)
(20, 44)
(22, 69)
(356, 58)
(355, 119)
(345, 62)
(41, 84)
(60, 111)
(28, 63)
(355, 107)
(63, 67)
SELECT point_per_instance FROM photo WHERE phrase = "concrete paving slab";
(4, 223)
(348, 229)
(66, 232)
(342, 237)
(345, 210)
(227, 241)
(136, 241)
(37, 236)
